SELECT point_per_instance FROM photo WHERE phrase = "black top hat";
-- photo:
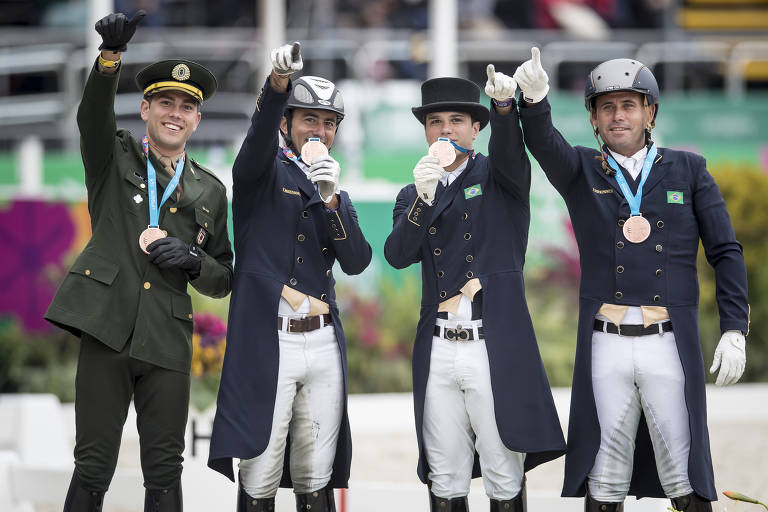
(451, 94)
(178, 75)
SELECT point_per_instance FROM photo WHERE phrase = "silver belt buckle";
(457, 334)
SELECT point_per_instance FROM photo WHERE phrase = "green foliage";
(744, 188)
(37, 363)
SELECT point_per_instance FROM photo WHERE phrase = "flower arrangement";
(208, 346)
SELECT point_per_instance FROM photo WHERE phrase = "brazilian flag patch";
(674, 197)
(473, 191)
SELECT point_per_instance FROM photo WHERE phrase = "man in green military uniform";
(158, 221)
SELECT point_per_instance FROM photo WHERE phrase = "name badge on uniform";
(473, 191)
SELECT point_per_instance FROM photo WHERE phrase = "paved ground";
(384, 460)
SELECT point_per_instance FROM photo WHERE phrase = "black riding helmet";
(313, 92)
(621, 75)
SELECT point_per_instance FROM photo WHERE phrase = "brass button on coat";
(467, 236)
(432, 230)
(299, 260)
(656, 298)
(620, 269)
(324, 250)
(293, 281)
(620, 244)
(660, 224)
(173, 209)
(470, 274)
(305, 214)
(328, 273)
(301, 237)
(87, 271)
(438, 252)
(658, 248)
(323, 297)
(147, 285)
(465, 216)
(443, 294)
(469, 258)
(658, 272)
(621, 222)
(441, 273)
(143, 185)
(618, 295)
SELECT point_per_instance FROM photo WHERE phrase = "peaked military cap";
(177, 75)
(451, 94)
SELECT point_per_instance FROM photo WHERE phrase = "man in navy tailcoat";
(481, 397)
(282, 405)
(638, 409)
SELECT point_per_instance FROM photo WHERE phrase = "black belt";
(632, 330)
(307, 324)
(459, 333)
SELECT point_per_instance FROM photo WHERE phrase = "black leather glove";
(116, 30)
(170, 252)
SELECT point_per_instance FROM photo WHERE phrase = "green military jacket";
(113, 292)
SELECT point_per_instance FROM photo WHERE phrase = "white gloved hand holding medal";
(324, 172)
(426, 175)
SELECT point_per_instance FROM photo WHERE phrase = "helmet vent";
(302, 94)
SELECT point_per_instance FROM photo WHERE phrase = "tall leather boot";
(81, 500)
(517, 504)
(247, 503)
(163, 500)
(459, 504)
(691, 503)
(592, 505)
(321, 500)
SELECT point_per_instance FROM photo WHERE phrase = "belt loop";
(282, 323)
(475, 333)
(661, 328)
(605, 327)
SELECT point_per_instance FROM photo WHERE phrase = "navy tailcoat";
(283, 235)
(478, 227)
(661, 271)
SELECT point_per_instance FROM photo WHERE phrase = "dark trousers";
(106, 381)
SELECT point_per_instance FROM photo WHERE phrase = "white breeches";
(308, 404)
(459, 418)
(631, 375)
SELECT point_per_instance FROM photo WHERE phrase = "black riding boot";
(517, 504)
(318, 501)
(163, 500)
(82, 500)
(592, 505)
(459, 504)
(691, 503)
(246, 503)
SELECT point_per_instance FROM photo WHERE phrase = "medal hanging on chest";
(636, 228)
(153, 231)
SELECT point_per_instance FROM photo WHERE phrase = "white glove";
(532, 78)
(499, 86)
(730, 357)
(325, 171)
(426, 174)
(287, 59)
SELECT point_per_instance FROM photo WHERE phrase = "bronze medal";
(313, 149)
(636, 229)
(148, 236)
(444, 152)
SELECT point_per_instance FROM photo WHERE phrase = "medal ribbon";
(154, 209)
(446, 139)
(290, 155)
(633, 200)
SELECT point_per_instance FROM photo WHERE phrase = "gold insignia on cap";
(180, 72)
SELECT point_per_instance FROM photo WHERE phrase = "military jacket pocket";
(96, 268)
(181, 307)
(205, 227)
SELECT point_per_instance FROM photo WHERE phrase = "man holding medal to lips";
(638, 409)
(282, 404)
(158, 222)
(482, 400)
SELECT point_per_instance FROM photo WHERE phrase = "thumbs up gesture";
(287, 59)
(532, 78)
(116, 30)
(499, 86)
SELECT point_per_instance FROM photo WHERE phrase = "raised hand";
(532, 78)
(499, 86)
(287, 59)
(116, 30)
